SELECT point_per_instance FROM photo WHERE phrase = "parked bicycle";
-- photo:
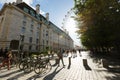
(29, 66)
(39, 65)
(42, 66)
(22, 63)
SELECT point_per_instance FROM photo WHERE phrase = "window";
(30, 39)
(31, 28)
(37, 16)
(32, 13)
(37, 47)
(24, 23)
(37, 41)
(30, 47)
(46, 33)
(23, 30)
(25, 9)
(47, 42)
(37, 34)
(22, 38)
(43, 42)
(39, 25)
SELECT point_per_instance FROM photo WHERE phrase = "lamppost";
(21, 44)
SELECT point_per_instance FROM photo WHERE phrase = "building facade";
(33, 31)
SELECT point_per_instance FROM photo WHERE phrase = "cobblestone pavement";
(80, 69)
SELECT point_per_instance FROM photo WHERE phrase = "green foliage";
(99, 23)
(34, 53)
(44, 53)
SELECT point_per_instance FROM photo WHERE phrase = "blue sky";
(57, 10)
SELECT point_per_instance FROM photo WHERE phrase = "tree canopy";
(98, 23)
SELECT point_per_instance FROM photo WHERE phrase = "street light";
(21, 44)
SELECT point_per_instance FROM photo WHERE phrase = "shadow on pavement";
(17, 76)
(69, 66)
(114, 70)
(54, 65)
(52, 75)
(116, 77)
(8, 74)
(69, 63)
(34, 77)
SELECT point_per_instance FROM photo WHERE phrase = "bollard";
(105, 63)
(85, 62)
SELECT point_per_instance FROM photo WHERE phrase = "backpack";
(9, 54)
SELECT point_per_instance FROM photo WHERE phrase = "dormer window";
(25, 9)
(32, 13)
(37, 16)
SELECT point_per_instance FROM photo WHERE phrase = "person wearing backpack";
(7, 58)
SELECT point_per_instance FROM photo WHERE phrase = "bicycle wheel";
(48, 66)
(27, 67)
(38, 69)
(21, 65)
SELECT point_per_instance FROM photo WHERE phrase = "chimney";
(47, 16)
(37, 8)
(18, 1)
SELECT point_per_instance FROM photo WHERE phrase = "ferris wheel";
(65, 19)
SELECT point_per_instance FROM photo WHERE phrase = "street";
(78, 70)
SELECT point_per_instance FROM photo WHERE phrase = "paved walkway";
(76, 71)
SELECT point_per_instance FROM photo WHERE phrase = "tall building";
(34, 32)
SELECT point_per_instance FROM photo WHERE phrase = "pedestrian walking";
(80, 52)
(7, 58)
(60, 56)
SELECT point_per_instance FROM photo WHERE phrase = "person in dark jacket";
(60, 56)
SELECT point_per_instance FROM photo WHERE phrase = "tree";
(99, 23)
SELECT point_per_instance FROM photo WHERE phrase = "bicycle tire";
(21, 65)
(49, 66)
(38, 69)
(27, 67)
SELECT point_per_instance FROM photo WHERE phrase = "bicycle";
(22, 63)
(29, 65)
(42, 66)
